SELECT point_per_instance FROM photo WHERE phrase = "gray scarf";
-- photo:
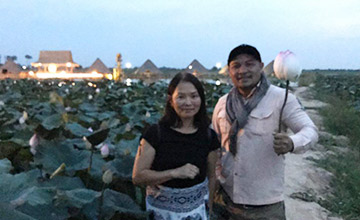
(238, 112)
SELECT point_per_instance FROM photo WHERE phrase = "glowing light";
(31, 73)
(190, 67)
(128, 65)
(93, 72)
(217, 82)
(24, 67)
(218, 65)
(109, 76)
(61, 84)
(36, 64)
(73, 84)
(52, 68)
(65, 75)
(90, 84)
(68, 64)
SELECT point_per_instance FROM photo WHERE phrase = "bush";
(341, 118)
(307, 78)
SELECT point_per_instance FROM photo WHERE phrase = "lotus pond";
(73, 121)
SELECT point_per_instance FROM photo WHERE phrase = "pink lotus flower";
(287, 66)
(105, 151)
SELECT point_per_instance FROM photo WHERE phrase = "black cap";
(244, 49)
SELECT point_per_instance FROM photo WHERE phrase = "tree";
(13, 58)
(28, 57)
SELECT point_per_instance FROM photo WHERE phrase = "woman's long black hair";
(170, 118)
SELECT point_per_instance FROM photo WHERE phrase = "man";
(252, 162)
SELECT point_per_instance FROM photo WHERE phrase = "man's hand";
(282, 143)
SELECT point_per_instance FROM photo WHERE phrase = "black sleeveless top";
(175, 149)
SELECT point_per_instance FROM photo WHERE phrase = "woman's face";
(186, 100)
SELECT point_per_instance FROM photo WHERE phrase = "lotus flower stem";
(90, 163)
(89, 168)
(283, 106)
(101, 200)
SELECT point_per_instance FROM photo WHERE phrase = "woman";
(176, 157)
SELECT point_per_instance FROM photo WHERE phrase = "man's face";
(245, 72)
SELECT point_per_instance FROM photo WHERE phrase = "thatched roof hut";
(269, 69)
(99, 67)
(148, 69)
(10, 67)
(55, 61)
(196, 68)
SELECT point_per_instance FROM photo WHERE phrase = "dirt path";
(303, 179)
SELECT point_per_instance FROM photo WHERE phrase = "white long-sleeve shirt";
(256, 175)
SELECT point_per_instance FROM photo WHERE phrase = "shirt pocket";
(262, 122)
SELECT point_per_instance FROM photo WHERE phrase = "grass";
(342, 119)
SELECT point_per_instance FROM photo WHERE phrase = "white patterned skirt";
(167, 203)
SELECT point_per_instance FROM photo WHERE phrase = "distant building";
(224, 71)
(148, 69)
(269, 69)
(55, 62)
(10, 67)
(196, 68)
(99, 67)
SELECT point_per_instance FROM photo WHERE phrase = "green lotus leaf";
(41, 111)
(86, 118)
(22, 137)
(37, 203)
(5, 166)
(88, 107)
(77, 143)
(125, 147)
(121, 167)
(13, 186)
(77, 130)
(52, 122)
(84, 199)
(132, 108)
(97, 168)
(106, 115)
(8, 212)
(113, 123)
(121, 205)
(52, 154)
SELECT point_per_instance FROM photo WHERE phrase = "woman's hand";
(186, 171)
